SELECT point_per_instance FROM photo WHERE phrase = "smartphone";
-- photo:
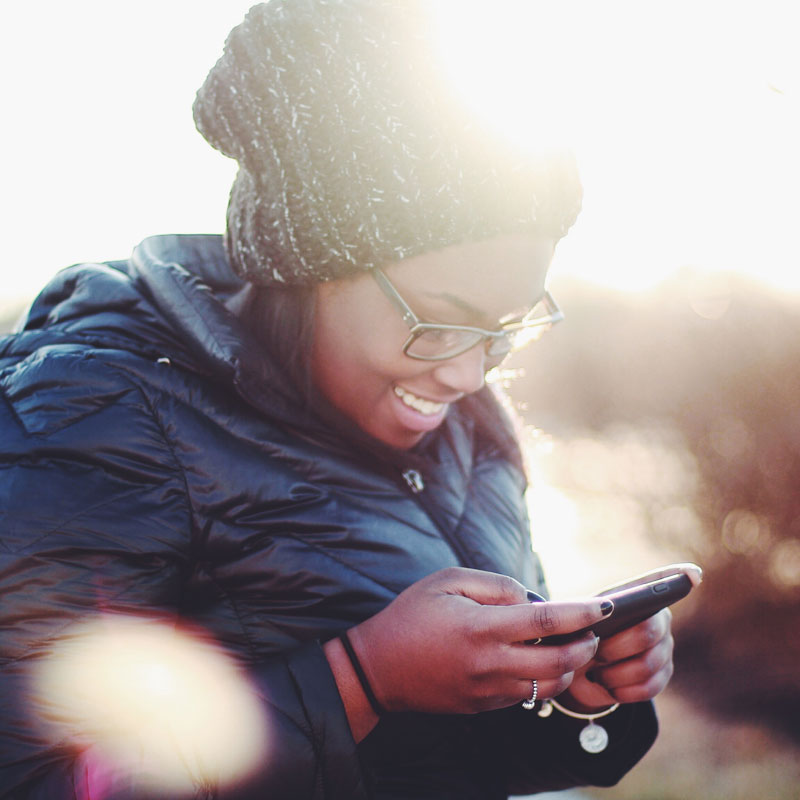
(632, 605)
(636, 603)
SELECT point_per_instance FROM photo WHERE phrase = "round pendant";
(593, 738)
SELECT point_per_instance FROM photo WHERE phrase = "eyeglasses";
(428, 342)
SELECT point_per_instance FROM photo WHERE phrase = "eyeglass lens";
(442, 343)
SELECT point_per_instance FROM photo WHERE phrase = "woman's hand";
(634, 664)
(629, 667)
(454, 642)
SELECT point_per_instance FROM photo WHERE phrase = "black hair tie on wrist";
(362, 678)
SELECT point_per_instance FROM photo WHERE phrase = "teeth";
(427, 407)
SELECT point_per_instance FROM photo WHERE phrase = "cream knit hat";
(354, 151)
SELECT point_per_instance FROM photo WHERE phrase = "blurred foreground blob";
(710, 294)
(150, 707)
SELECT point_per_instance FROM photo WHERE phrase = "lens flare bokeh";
(150, 706)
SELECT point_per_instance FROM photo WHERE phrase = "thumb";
(486, 588)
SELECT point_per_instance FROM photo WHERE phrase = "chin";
(402, 440)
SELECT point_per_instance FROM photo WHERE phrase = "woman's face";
(358, 360)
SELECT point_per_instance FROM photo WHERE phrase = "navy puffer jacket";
(152, 460)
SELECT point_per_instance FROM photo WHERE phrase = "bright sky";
(686, 123)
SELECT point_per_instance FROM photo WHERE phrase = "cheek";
(357, 358)
(354, 373)
(355, 337)
(351, 359)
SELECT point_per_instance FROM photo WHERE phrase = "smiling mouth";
(426, 407)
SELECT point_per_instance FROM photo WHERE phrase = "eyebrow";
(468, 308)
(459, 303)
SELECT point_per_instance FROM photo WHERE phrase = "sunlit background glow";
(151, 705)
(607, 507)
(685, 117)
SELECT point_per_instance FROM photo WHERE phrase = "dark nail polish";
(606, 607)
(535, 598)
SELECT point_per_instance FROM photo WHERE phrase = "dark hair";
(281, 318)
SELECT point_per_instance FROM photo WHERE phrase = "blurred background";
(666, 429)
(662, 414)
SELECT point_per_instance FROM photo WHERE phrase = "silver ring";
(531, 702)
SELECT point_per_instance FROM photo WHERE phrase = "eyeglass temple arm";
(409, 317)
(556, 314)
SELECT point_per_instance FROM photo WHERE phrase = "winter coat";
(153, 460)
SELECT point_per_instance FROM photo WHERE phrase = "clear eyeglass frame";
(439, 342)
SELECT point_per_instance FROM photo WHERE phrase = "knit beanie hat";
(354, 151)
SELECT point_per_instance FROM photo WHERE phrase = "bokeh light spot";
(785, 564)
(710, 295)
(743, 532)
(150, 705)
(731, 438)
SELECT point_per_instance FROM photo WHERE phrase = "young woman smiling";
(363, 368)
(281, 437)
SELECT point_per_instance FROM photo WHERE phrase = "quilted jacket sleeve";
(95, 518)
(545, 755)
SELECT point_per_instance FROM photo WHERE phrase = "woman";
(282, 438)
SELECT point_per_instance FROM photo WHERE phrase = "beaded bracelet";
(361, 675)
(594, 737)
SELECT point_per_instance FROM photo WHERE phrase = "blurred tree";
(715, 357)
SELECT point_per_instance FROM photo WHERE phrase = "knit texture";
(353, 149)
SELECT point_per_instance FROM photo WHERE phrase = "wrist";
(355, 663)
(587, 695)
(360, 715)
(593, 738)
(567, 704)
(572, 703)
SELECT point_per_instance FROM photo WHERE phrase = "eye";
(441, 336)
(443, 343)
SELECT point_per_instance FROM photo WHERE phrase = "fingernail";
(606, 607)
(535, 598)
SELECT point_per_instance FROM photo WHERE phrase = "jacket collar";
(189, 280)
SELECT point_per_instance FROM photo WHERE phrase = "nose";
(464, 373)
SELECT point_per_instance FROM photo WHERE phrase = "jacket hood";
(168, 300)
(167, 297)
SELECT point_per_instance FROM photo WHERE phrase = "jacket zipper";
(416, 485)
(414, 480)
